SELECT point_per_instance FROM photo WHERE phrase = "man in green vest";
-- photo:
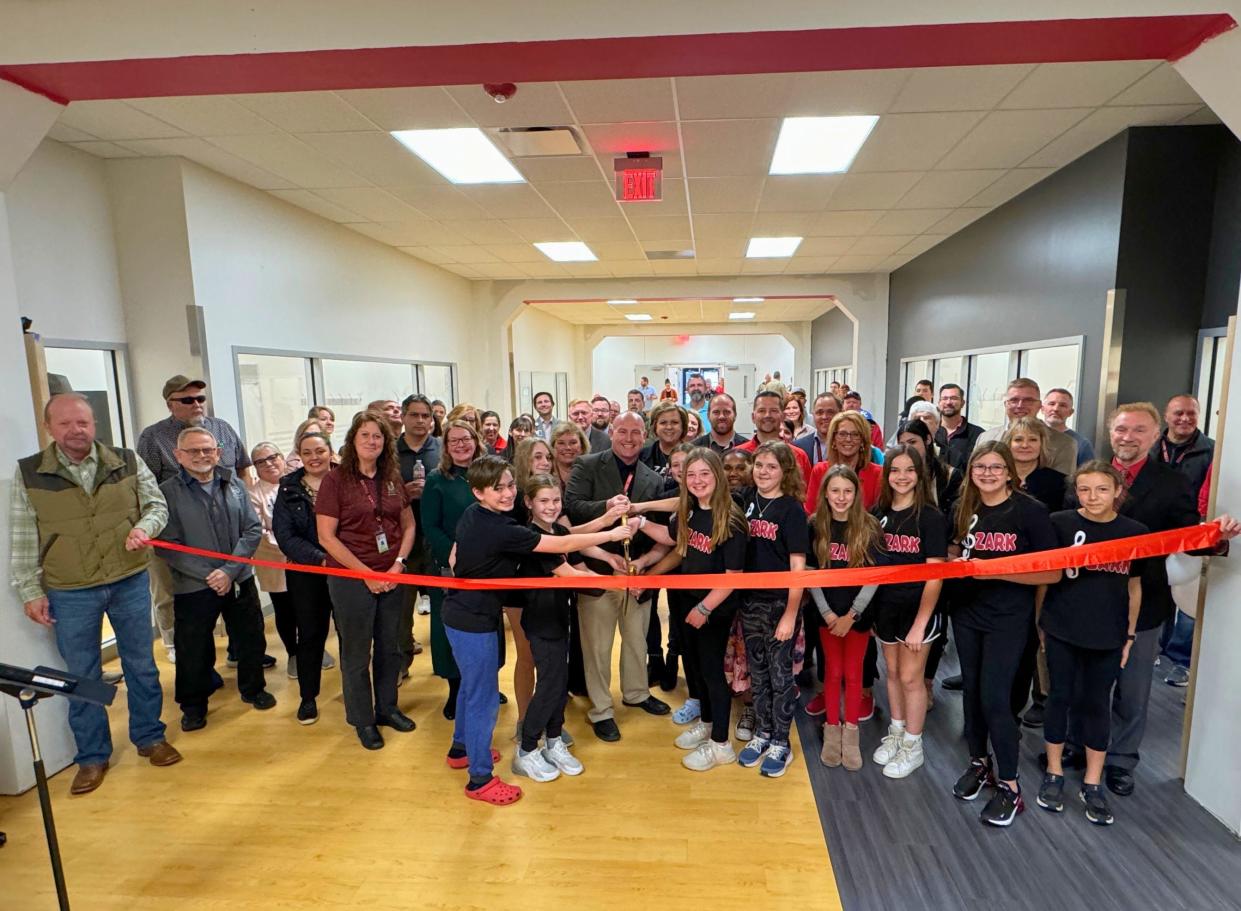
(81, 519)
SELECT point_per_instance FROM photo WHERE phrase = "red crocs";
(495, 792)
(463, 762)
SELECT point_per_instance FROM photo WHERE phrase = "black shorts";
(893, 622)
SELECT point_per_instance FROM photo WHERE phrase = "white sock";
(896, 727)
(912, 739)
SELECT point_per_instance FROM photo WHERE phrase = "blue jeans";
(1177, 643)
(79, 630)
(478, 702)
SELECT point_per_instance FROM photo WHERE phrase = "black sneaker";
(1071, 759)
(269, 661)
(192, 721)
(307, 712)
(953, 684)
(1051, 793)
(262, 700)
(395, 720)
(973, 780)
(1097, 810)
(1033, 718)
(1003, 806)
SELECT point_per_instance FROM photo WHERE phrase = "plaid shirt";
(24, 569)
(157, 442)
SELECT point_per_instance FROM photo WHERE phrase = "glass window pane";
(274, 398)
(1053, 368)
(914, 371)
(349, 386)
(437, 379)
(1217, 384)
(90, 372)
(949, 370)
(988, 380)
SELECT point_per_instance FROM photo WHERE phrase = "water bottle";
(420, 470)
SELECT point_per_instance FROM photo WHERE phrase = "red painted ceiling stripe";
(978, 43)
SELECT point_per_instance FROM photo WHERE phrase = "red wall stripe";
(977, 43)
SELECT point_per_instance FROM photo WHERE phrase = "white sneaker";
(708, 755)
(423, 605)
(908, 758)
(533, 765)
(890, 745)
(557, 753)
(697, 733)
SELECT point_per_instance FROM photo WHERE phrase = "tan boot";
(850, 752)
(830, 754)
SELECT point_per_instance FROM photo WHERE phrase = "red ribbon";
(1156, 544)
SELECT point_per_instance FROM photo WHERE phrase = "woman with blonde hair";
(1027, 438)
(567, 442)
(465, 412)
(848, 444)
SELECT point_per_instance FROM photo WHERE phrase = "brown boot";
(160, 754)
(850, 752)
(830, 754)
(88, 778)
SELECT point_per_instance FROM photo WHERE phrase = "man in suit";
(581, 413)
(602, 481)
(825, 407)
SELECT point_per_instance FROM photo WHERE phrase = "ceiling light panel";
(571, 251)
(464, 155)
(819, 145)
(745, 314)
(772, 247)
(638, 317)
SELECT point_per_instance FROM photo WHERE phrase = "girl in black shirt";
(991, 624)
(843, 534)
(1088, 622)
(710, 535)
(906, 621)
(770, 618)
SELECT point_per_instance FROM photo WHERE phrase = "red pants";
(842, 659)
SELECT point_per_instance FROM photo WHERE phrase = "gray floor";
(909, 845)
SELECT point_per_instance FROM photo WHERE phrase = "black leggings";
(1025, 683)
(679, 604)
(989, 661)
(545, 713)
(286, 620)
(870, 664)
(1081, 681)
(312, 606)
(707, 646)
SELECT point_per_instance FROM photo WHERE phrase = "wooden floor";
(264, 813)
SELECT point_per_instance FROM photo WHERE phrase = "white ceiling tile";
(1006, 138)
(468, 254)
(1101, 126)
(559, 167)
(784, 224)
(205, 115)
(544, 269)
(920, 245)
(425, 233)
(844, 224)
(204, 153)
(464, 271)
(913, 142)
(618, 100)
(872, 191)
(408, 108)
(516, 253)
(951, 224)
(372, 203)
(1076, 85)
(513, 200)
(857, 264)
(674, 267)
(947, 189)
(844, 92)
(113, 120)
(377, 157)
(720, 247)
(722, 226)
(610, 141)
(724, 194)
(731, 97)
(1162, 85)
(617, 249)
(907, 221)
(1204, 116)
(62, 132)
(1008, 186)
(305, 112)
(589, 270)
(580, 197)
(498, 270)
(444, 202)
(662, 228)
(810, 265)
(717, 266)
(480, 231)
(892, 263)
(283, 155)
(104, 149)
(630, 268)
(872, 245)
(799, 192)
(818, 247)
(764, 266)
(536, 104)
(428, 254)
(593, 229)
(728, 148)
(958, 88)
(312, 202)
(540, 230)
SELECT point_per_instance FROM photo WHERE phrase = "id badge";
(381, 542)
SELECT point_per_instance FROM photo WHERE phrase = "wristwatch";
(400, 560)
(853, 612)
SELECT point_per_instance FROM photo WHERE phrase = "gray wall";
(1224, 265)
(831, 340)
(1038, 267)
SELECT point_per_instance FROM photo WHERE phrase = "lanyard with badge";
(381, 537)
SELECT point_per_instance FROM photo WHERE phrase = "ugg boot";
(830, 754)
(850, 752)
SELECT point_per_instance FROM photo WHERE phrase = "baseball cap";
(179, 382)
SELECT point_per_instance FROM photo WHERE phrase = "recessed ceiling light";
(567, 251)
(771, 246)
(463, 155)
(748, 300)
(819, 145)
(638, 317)
(747, 314)
(622, 302)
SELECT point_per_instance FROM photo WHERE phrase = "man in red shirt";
(767, 414)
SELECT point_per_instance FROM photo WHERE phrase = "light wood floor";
(264, 813)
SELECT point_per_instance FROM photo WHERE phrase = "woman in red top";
(848, 443)
(364, 523)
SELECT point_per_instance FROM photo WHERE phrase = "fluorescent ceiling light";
(819, 145)
(748, 300)
(772, 246)
(638, 317)
(622, 303)
(748, 314)
(463, 155)
(567, 251)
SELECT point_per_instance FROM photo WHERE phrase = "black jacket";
(293, 522)
(956, 452)
(1192, 461)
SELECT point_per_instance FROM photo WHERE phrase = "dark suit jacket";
(594, 481)
(599, 440)
(806, 445)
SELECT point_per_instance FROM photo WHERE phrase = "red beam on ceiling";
(813, 50)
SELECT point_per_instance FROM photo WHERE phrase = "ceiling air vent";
(539, 142)
(669, 254)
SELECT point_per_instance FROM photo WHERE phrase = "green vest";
(82, 534)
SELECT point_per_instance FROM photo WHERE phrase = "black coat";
(594, 481)
(293, 522)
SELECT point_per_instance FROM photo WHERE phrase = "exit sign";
(639, 179)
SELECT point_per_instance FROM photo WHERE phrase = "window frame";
(121, 376)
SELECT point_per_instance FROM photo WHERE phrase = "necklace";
(758, 502)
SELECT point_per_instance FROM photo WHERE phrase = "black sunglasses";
(190, 399)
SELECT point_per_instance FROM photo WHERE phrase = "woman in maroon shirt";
(364, 523)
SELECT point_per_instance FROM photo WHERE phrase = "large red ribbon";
(1156, 544)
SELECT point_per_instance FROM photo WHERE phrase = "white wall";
(547, 343)
(615, 357)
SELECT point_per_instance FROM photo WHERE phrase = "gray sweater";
(223, 521)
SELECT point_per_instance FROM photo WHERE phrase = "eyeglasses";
(462, 441)
(988, 469)
(190, 399)
(848, 435)
(1026, 400)
(270, 460)
(202, 453)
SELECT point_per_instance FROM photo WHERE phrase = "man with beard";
(1023, 399)
(956, 435)
(696, 388)
(722, 416)
(767, 415)
(390, 409)
(1057, 409)
(581, 413)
